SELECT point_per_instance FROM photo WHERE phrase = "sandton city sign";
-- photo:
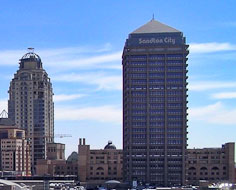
(166, 40)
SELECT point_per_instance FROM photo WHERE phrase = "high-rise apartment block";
(155, 105)
(30, 104)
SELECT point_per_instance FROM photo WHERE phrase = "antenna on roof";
(31, 50)
(153, 16)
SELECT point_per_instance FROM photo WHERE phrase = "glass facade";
(154, 109)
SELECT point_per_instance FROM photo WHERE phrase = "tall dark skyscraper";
(30, 104)
(155, 105)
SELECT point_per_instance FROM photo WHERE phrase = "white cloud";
(210, 85)
(211, 47)
(3, 105)
(204, 110)
(224, 95)
(68, 58)
(66, 97)
(73, 50)
(10, 57)
(69, 63)
(102, 80)
(215, 113)
(106, 113)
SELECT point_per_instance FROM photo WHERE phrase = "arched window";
(100, 168)
(203, 168)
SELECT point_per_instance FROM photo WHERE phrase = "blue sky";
(80, 44)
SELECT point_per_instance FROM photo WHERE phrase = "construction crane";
(62, 135)
(45, 136)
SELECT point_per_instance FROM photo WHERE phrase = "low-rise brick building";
(99, 165)
(95, 166)
(211, 164)
(14, 149)
(89, 165)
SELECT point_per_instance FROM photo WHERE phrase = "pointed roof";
(154, 26)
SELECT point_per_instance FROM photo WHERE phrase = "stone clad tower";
(30, 104)
(155, 105)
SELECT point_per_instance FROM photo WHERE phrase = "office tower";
(155, 105)
(30, 104)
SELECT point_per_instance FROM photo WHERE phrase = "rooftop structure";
(154, 26)
(110, 145)
(6, 122)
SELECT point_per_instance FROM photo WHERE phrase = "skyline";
(87, 55)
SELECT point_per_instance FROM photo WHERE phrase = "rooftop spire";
(153, 16)
(31, 50)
